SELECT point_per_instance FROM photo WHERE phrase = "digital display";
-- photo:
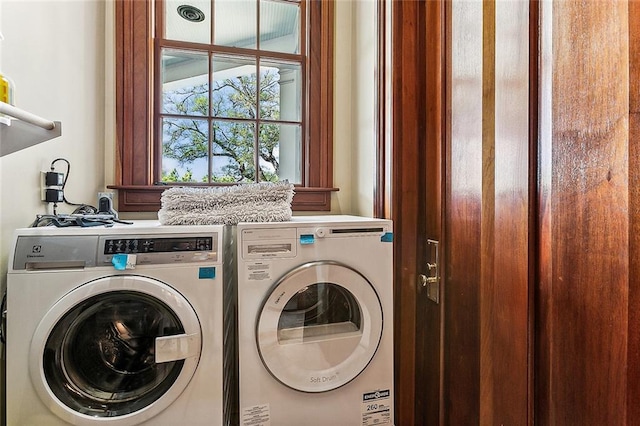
(157, 245)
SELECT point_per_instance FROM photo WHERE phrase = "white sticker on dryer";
(258, 415)
(258, 271)
(376, 408)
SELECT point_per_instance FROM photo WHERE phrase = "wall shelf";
(20, 129)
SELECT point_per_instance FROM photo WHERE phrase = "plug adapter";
(105, 206)
(53, 195)
(53, 179)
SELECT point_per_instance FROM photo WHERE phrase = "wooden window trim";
(134, 110)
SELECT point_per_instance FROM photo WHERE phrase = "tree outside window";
(232, 107)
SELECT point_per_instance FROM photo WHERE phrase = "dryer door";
(319, 327)
(116, 350)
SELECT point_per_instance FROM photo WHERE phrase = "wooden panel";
(504, 291)
(320, 155)
(487, 222)
(132, 59)
(463, 204)
(584, 276)
(633, 353)
(429, 314)
(408, 201)
(141, 198)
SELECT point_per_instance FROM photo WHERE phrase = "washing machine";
(315, 322)
(117, 325)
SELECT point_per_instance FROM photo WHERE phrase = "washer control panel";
(156, 245)
(84, 251)
(160, 250)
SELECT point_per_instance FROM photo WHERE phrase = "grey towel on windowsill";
(255, 202)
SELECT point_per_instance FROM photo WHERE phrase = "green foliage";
(173, 176)
(233, 105)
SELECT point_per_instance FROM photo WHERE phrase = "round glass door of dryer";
(319, 327)
(118, 349)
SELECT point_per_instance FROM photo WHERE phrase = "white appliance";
(315, 322)
(116, 326)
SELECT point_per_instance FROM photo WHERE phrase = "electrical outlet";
(43, 186)
(108, 195)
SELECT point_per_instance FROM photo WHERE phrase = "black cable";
(66, 176)
(82, 208)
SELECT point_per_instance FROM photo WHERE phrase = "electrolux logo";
(36, 251)
(371, 396)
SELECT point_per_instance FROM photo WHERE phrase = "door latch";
(431, 281)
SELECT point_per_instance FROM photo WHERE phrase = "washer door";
(116, 350)
(319, 327)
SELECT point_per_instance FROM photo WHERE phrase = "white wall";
(343, 109)
(54, 52)
(363, 90)
(354, 92)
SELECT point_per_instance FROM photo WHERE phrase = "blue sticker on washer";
(119, 261)
(387, 237)
(307, 239)
(207, 273)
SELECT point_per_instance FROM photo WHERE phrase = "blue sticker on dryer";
(307, 239)
(207, 273)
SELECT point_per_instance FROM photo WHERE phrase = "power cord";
(81, 208)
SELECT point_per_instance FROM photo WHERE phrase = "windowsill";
(142, 198)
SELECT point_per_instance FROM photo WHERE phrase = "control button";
(321, 232)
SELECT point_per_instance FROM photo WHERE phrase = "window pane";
(280, 152)
(279, 26)
(185, 87)
(280, 91)
(233, 152)
(234, 87)
(185, 150)
(235, 23)
(188, 21)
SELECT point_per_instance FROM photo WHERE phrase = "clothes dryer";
(116, 326)
(315, 322)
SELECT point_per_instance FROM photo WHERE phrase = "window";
(228, 91)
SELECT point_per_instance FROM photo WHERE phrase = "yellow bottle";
(6, 90)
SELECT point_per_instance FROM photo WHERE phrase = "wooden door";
(463, 156)
(539, 231)
(418, 123)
